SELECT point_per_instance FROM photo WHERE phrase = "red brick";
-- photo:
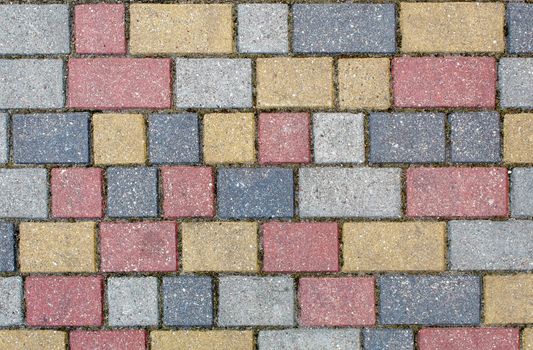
(55, 301)
(140, 246)
(108, 340)
(99, 29)
(284, 138)
(188, 192)
(444, 82)
(469, 339)
(116, 83)
(77, 193)
(300, 247)
(341, 301)
(457, 192)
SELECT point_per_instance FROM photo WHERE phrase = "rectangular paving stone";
(25, 339)
(344, 28)
(7, 247)
(263, 28)
(173, 138)
(24, 193)
(527, 338)
(517, 140)
(309, 339)
(132, 301)
(338, 138)
(469, 338)
(475, 137)
(187, 301)
(507, 299)
(4, 130)
(521, 187)
(515, 78)
(349, 192)
(11, 301)
(202, 340)
(103, 340)
(519, 28)
(388, 339)
(132, 192)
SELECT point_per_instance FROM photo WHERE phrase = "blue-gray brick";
(520, 28)
(24, 193)
(521, 192)
(173, 138)
(388, 339)
(187, 301)
(263, 28)
(515, 76)
(309, 339)
(344, 28)
(10, 301)
(7, 247)
(475, 137)
(4, 146)
(132, 301)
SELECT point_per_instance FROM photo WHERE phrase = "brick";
(527, 339)
(138, 246)
(31, 83)
(263, 28)
(24, 193)
(202, 340)
(429, 300)
(388, 339)
(7, 247)
(11, 301)
(338, 301)
(108, 340)
(219, 247)
(56, 301)
(338, 138)
(344, 28)
(132, 192)
(4, 145)
(457, 192)
(469, 338)
(118, 83)
(394, 246)
(453, 82)
(181, 28)
(515, 77)
(99, 29)
(475, 137)
(517, 138)
(452, 27)
(213, 83)
(132, 301)
(255, 193)
(119, 139)
(521, 186)
(229, 138)
(57, 247)
(310, 339)
(490, 245)
(255, 301)
(24, 339)
(407, 138)
(519, 28)
(77, 193)
(34, 29)
(187, 301)
(284, 138)
(300, 247)
(173, 138)
(507, 299)
(349, 192)
(276, 77)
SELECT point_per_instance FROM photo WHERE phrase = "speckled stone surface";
(521, 199)
(24, 193)
(520, 28)
(103, 340)
(4, 147)
(132, 301)
(469, 338)
(517, 140)
(100, 29)
(32, 339)
(203, 340)
(507, 299)
(516, 82)
(11, 301)
(187, 301)
(311, 339)
(263, 28)
(173, 138)
(7, 247)
(388, 339)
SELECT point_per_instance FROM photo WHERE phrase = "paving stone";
(202, 340)
(132, 192)
(517, 140)
(132, 301)
(7, 247)
(255, 193)
(263, 28)
(407, 137)
(519, 28)
(349, 192)
(310, 339)
(51, 138)
(24, 339)
(429, 300)
(4, 145)
(187, 301)
(108, 340)
(388, 339)
(34, 29)
(521, 188)
(527, 338)
(99, 29)
(255, 301)
(516, 82)
(173, 138)
(338, 138)
(468, 338)
(344, 28)
(11, 301)
(490, 245)
(24, 193)
(507, 299)
(213, 83)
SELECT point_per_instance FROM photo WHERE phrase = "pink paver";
(444, 82)
(142, 246)
(300, 247)
(457, 192)
(108, 340)
(116, 83)
(55, 301)
(469, 339)
(340, 301)
(99, 29)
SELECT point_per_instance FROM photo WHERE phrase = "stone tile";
(24, 193)
(507, 299)
(107, 340)
(173, 138)
(475, 137)
(519, 28)
(100, 29)
(202, 339)
(11, 301)
(309, 339)
(263, 28)
(8, 244)
(132, 301)
(521, 189)
(517, 140)
(527, 338)
(187, 301)
(468, 338)
(515, 77)
(388, 339)
(25, 339)
(4, 145)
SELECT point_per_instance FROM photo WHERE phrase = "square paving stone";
(24, 193)
(187, 301)
(99, 29)
(263, 28)
(309, 339)
(4, 146)
(132, 301)
(516, 82)
(388, 339)
(11, 301)
(520, 28)
(521, 190)
(339, 138)
(7, 247)
(173, 138)
(475, 137)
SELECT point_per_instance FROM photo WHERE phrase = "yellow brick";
(518, 138)
(229, 138)
(452, 27)
(394, 246)
(183, 28)
(57, 247)
(32, 340)
(294, 82)
(219, 246)
(119, 139)
(508, 299)
(527, 339)
(202, 340)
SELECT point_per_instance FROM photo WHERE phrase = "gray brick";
(520, 28)
(407, 137)
(29, 83)
(475, 137)
(51, 138)
(24, 193)
(10, 301)
(34, 29)
(344, 28)
(213, 83)
(263, 28)
(4, 147)
(173, 138)
(521, 190)
(388, 339)
(255, 301)
(339, 138)
(516, 82)
(491, 245)
(255, 193)
(7, 247)
(132, 301)
(350, 192)
(187, 301)
(309, 339)
(430, 300)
